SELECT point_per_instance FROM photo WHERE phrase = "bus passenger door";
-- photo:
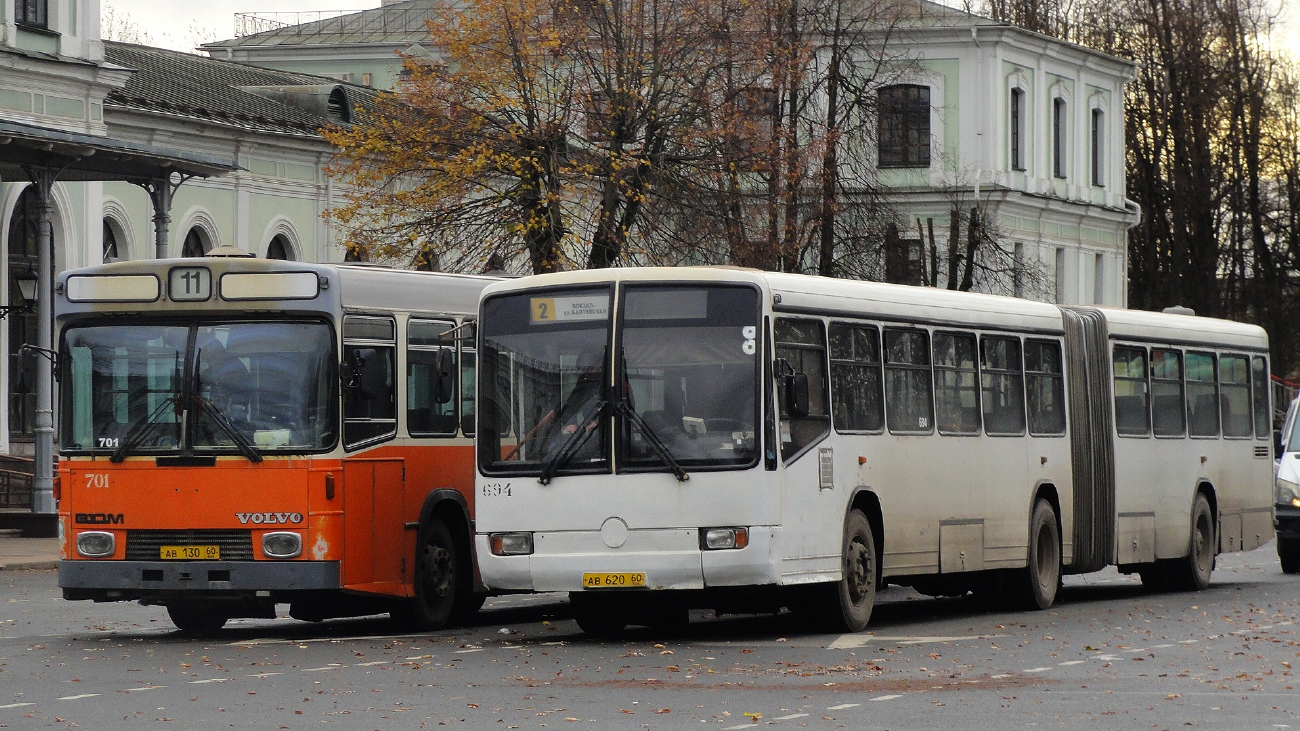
(374, 558)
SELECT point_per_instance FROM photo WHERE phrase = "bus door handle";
(411, 526)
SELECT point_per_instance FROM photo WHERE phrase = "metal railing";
(320, 22)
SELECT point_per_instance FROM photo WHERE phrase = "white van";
(1288, 493)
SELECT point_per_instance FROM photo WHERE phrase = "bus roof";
(338, 286)
(802, 293)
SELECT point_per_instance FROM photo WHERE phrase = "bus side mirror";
(353, 367)
(1277, 444)
(446, 384)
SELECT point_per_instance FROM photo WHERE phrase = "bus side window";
(956, 396)
(1130, 368)
(468, 368)
(1003, 386)
(1167, 412)
(430, 394)
(802, 344)
(369, 379)
(1045, 388)
(1260, 389)
(856, 382)
(1202, 396)
(909, 404)
(1234, 395)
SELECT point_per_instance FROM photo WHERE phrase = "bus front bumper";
(115, 580)
(671, 559)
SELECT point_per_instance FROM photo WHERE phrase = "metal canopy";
(83, 157)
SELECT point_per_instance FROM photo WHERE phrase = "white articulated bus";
(652, 440)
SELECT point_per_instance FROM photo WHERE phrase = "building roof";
(224, 92)
(401, 23)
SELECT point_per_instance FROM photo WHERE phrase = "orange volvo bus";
(236, 433)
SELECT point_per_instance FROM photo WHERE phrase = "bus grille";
(143, 545)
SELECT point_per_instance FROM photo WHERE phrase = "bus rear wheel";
(598, 616)
(1193, 572)
(1288, 552)
(1042, 575)
(437, 581)
(193, 619)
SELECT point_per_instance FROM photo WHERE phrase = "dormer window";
(32, 13)
(337, 108)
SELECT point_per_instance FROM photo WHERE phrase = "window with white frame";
(32, 13)
(1016, 118)
(904, 126)
(1059, 121)
(1098, 147)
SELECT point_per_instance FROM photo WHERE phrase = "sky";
(182, 24)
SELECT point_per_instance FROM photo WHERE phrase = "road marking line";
(78, 697)
(1036, 670)
(147, 687)
(17, 705)
(377, 662)
(463, 652)
(886, 697)
(1107, 658)
(1003, 675)
(1187, 642)
(1157, 647)
(209, 680)
(842, 706)
(1073, 662)
(420, 657)
(844, 642)
(262, 675)
(743, 725)
(327, 667)
(792, 715)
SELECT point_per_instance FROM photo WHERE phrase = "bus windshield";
(270, 386)
(687, 358)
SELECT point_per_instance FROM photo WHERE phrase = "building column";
(43, 488)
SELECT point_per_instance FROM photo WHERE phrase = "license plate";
(190, 553)
(613, 581)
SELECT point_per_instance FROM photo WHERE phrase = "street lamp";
(26, 282)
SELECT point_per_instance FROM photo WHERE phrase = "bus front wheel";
(847, 604)
(1042, 576)
(195, 620)
(436, 581)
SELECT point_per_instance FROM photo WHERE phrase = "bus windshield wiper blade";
(245, 447)
(656, 443)
(571, 445)
(141, 429)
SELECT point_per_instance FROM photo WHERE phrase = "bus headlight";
(1288, 493)
(719, 539)
(96, 544)
(282, 545)
(511, 544)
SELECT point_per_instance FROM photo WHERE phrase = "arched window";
(1098, 147)
(337, 107)
(195, 243)
(1016, 116)
(22, 324)
(279, 248)
(110, 243)
(904, 126)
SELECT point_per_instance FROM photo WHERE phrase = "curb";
(28, 565)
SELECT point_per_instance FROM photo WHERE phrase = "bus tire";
(1192, 573)
(192, 619)
(849, 601)
(596, 617)
(437, 580)
(1042, 575)
(1288, 552)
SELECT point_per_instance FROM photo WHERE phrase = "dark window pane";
(909, 405)
(856, 378)
(1234, 395)
(903, 129)
(1003, 385)
(1202, 396)
(1260, 386)
(956, 396)
(1045, 388)
(1130, 369)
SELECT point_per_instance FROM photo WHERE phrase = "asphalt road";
(1108, 656)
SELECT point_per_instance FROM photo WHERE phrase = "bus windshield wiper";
(244, 446)
(656, 443)
(571, 444)
(142, 429)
